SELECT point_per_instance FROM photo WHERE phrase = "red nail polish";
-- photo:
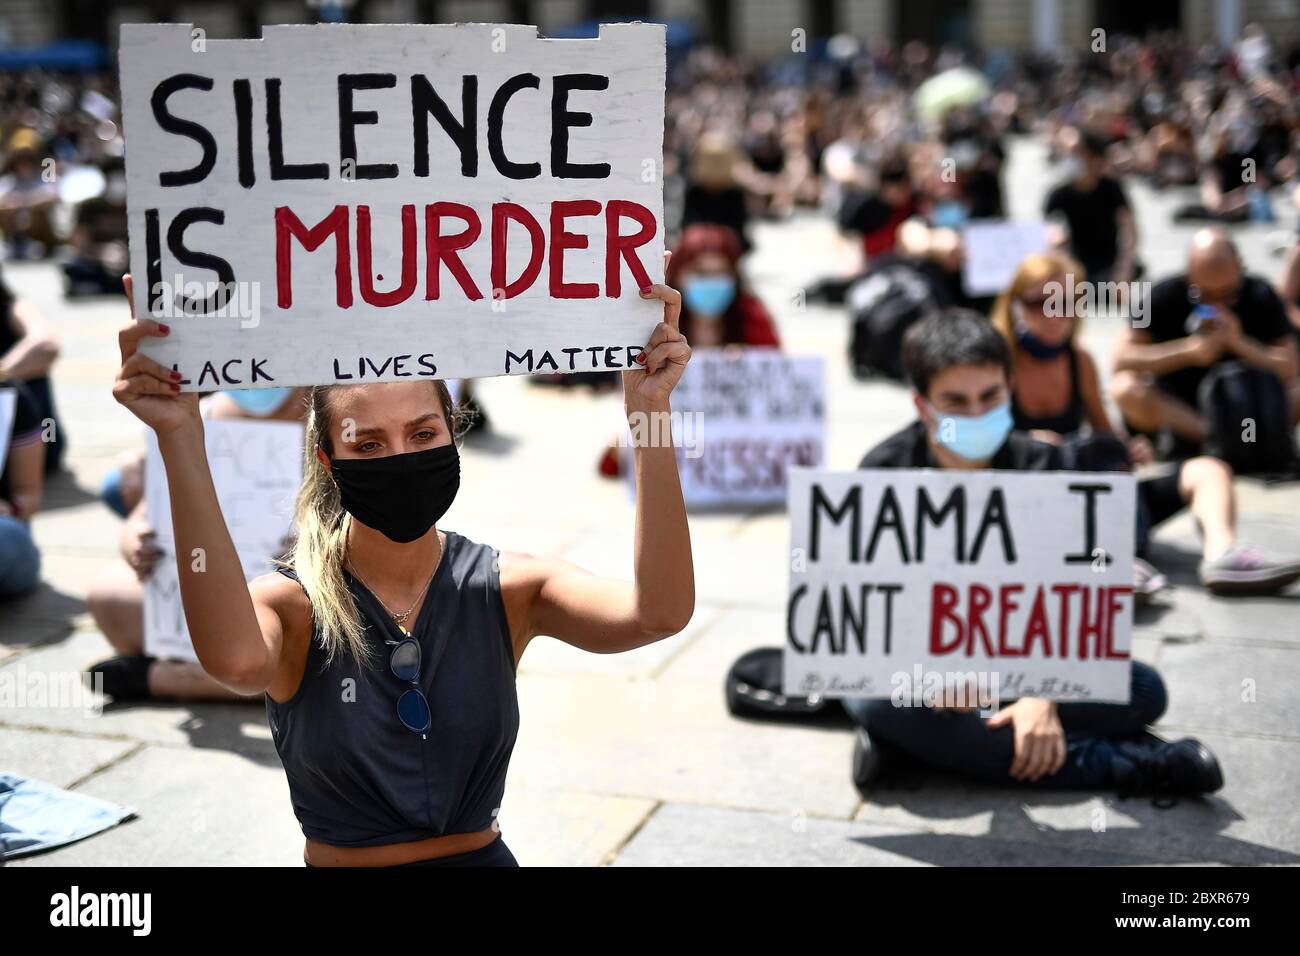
(640, 360)
(164, 329)
(175, 387)
(176, 376)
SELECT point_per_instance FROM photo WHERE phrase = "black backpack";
(753, 689)
(1249, 419)
(883, 305)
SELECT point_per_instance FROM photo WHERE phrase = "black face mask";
(400, 496)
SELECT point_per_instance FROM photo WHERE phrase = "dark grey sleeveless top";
(357, 775)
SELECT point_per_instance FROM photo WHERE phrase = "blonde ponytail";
(320, 550)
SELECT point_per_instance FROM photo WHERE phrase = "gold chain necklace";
(400, 619)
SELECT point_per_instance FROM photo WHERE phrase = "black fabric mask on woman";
(400, 496)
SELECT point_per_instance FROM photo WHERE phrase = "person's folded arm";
(1136, 352)
(36, 348)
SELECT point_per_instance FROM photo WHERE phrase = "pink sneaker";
(1246, 570)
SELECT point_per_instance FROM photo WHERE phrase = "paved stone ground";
(633, 759)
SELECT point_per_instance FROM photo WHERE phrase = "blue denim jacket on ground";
(37, 816)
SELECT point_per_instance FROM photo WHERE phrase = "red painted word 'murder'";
(442, 246)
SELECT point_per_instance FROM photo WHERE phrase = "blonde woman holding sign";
(387, 650)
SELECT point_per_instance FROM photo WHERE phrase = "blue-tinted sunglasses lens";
(405, 661)
(413, 711)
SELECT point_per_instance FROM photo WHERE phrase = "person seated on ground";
(716, 186)
(960, 369)
(28, 350)
(1102, 234)
(123, 487)
(98, 241)
(979, 156)
(1056, 395)
(22, 481)
(1168, 152)
(718, 310)
(717, 307)
(116, 598)
(876, 214)
(1212, 314)
(934, 236)
(27, 196)
(1229, 185)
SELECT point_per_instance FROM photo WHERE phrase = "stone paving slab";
(1249, 822)
(568, 828)
(57, 758)
(1241, 688)
(193, 808)
(674, 743)
(679, 835)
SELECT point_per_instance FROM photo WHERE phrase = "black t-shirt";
(1093, 218)
(910, 448)
(864, 212)
(1262, 315)
(26, 428)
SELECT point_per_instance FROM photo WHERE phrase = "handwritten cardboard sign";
(993, 250)
(8, 404)
(257, 469)
(740, 420)
(902, 580)
(363, 203)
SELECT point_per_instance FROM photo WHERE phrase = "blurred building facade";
(760, 27)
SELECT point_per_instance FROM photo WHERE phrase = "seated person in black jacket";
(960, 368)
(1214, 313)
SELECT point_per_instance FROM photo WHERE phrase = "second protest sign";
(902, 580)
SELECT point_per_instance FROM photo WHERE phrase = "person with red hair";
(717, 308)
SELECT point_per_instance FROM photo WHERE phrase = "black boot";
(874, 761)
(124, 678)
(1149, 765)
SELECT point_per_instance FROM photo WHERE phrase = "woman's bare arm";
(236, 641)
(600, 614)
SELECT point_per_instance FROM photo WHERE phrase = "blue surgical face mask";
(1036, 348)
(709, 295)
(948, 214)
(259, 402)
(974, 438)
(1032, 344)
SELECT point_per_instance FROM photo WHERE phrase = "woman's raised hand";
(665, 356)
(148, 389)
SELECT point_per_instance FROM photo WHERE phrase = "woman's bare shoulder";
(282, 594)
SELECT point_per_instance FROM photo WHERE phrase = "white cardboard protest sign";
(904, 580)
(257, 470)
(8, 403)
(741, 419)
(361, 203)
(993, 249)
